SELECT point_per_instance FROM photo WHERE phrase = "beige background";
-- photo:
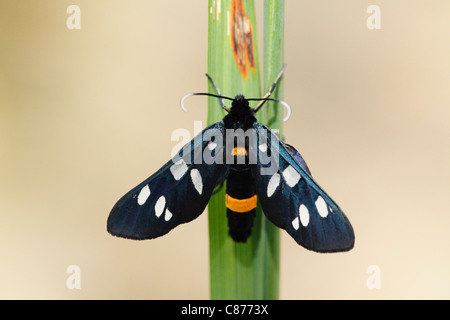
(87, 114)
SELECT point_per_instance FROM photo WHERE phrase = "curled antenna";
(203, 94)
(184, 98)
(261, 103)
(284, 103)
(218, 95)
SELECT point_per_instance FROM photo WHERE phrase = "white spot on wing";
(178, 169)
(303, 213)
(197, 180)
(273, 184)
(296, 223)
(143, 195)
(159, 206)
(291, 176)
(321, 207)
(212, 145)
(167, 215)
(263, 147)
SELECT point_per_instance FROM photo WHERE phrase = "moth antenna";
(182, 101)
(288, 108)
(218, 95)
(284, 103)
(202, 94)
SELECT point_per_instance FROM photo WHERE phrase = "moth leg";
(272, 88)
(218, 188)
(218, 92)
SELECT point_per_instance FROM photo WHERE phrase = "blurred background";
(87, 114)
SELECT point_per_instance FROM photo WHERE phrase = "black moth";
(256, 165)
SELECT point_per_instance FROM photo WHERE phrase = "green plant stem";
(243, 270)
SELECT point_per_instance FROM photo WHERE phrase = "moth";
(256, 166)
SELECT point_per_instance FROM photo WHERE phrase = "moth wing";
(177, 193)
(292, 200)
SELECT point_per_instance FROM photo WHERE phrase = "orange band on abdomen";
(240, 205)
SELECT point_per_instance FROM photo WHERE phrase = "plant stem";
(242, 270)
